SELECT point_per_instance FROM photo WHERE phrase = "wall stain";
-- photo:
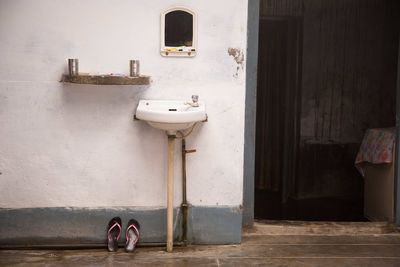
(238, 56)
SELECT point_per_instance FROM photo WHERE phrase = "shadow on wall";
(85, 105)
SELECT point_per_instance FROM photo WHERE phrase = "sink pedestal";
(170, 193)
(171, 116)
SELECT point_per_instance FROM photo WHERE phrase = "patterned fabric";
(376, 147)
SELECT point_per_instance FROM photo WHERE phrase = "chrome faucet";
(195, 101)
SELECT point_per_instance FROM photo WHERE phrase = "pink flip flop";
(114, 233)
(132, 235)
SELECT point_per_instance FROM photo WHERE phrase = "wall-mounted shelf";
(106, 79)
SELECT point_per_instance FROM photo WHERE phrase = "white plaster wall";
(74, 145)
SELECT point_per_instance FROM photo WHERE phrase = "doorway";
(278, 114)
(326, 73)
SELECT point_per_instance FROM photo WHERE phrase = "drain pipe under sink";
(185, 204)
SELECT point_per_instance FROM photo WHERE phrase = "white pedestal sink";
(171, 116)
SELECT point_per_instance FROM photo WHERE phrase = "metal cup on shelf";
(73, 66)
(134, 68)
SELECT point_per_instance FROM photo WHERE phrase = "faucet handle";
(195, 98)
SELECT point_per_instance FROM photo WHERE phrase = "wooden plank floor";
(257, 249)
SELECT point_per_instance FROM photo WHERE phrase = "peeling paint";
(238, 56)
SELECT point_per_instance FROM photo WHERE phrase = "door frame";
(250, 120)
(397, 161)
(250, 111)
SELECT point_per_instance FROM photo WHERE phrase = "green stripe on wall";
(87, 226)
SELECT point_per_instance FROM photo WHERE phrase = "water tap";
(195, 101)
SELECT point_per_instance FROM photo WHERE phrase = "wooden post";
(170, 194)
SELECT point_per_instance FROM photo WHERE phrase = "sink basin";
(170, 115)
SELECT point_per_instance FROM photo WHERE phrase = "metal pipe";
(184, 205)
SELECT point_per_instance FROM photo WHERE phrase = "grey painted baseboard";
(87, 226)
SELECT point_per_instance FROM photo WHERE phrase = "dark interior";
(327, 72)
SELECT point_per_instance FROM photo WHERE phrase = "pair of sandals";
(114, 230)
